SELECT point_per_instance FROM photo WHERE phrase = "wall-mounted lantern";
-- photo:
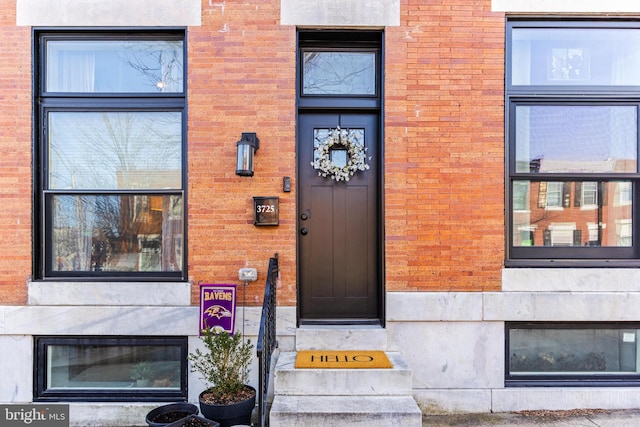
(247, 147)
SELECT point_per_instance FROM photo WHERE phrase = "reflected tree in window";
(339, 73)
(116, 151)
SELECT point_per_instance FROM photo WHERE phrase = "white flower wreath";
(357, 160)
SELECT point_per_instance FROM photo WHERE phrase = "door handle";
(304, 231)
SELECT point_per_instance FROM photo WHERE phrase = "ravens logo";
(217, 311)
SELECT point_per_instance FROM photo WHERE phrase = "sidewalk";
(573, 418)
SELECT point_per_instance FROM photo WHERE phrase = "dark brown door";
(338, 226)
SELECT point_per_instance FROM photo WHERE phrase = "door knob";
(304, 231)
(304, 216)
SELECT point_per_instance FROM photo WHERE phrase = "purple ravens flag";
(218, 307)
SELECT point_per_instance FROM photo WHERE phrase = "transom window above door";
(339, 68)
(338, 73)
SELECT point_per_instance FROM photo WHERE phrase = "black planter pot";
(187, 421)
(161, 416)
(229, 414)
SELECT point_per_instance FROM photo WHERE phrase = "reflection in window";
(554, 195)
(113, 367)
(576, 139)
(105, 66)
(112, 233)
(520, 195)
(572, 351)
(572, 213)
(575, 56)
(115, 150)
(99, 368)
(589, 192)
(339, 73)
(625, 193)
(111, 168)
(572, 129)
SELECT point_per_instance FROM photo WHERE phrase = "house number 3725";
(265, 208)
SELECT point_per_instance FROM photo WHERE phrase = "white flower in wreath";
(356, 156)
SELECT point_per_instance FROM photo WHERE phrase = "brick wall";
(241, 79)
(444, 143)
(15, 160)
(444, 147)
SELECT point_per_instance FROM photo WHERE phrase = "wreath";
(356, 151)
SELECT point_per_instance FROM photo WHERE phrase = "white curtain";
(71, 71)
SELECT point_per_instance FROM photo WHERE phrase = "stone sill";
(148, 294)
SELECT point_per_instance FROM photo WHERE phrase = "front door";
(338, 222)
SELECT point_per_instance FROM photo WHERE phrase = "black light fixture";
(247, 147)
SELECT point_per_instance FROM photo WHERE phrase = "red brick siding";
(444, 146)
(242, 74)
(15, 158)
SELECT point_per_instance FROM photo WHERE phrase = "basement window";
(566, 354)
(110, 369)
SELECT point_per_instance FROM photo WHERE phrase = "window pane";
(575, 56)
(90, 367)
(339, 73)
(115, 150)
(577, 213)
(148, 66)
(573, 351)
(520, 195)
(116, 233)
(570, 138)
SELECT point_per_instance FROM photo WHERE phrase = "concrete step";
(348, 382)
(342, 397)
(334, 411)
(341, 338)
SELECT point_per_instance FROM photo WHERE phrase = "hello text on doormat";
(342, 359)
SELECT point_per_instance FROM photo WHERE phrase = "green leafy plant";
(224, 366)
(142, 371)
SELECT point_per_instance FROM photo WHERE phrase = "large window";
(578, 354)
(573, 97)
(110, 368)
(111, 157)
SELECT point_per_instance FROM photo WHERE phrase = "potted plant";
(224, 366)
(170, 413)
(142, 373)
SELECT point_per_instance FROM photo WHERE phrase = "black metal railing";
(267, 338)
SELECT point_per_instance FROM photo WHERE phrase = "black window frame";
(567, 380)
(41, 394)
(340, 41)
(45, 102)
(569, 94)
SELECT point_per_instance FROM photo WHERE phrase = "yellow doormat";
(342, 359)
